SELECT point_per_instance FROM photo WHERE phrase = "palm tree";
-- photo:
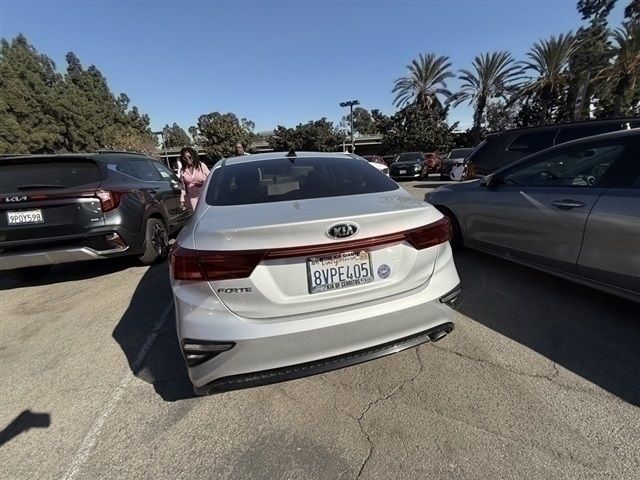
(425, 80)
(550, 60)
(493, 76)
(624, 72)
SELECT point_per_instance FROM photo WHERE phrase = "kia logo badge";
(15, 199)
(342, 230)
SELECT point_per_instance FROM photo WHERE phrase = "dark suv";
(500, 149)
(72, 207)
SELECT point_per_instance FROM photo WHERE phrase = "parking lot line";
(90, 439)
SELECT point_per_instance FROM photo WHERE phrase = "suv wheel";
(156, 242)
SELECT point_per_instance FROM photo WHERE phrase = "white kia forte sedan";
(300, 263)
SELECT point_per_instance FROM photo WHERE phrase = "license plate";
(402, 172)
(333, 272)
(25, 217)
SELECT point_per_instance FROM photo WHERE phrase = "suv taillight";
(108, 200)
(430, 235)
(187, 264)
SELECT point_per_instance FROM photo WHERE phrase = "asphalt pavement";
(540, 379)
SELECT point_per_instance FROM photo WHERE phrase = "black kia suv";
(73, 207)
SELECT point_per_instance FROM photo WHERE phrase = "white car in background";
(301, 263)
(378, 162)
(453, 167)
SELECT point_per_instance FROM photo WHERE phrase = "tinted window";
(410, 157)
(141, 169)
(532, 142)
(19, 175)
(282, 180)
(460, 152)
(572, 133)
(165, 173)
(582, 166)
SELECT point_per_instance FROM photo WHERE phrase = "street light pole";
(164, 145)
(350, 104)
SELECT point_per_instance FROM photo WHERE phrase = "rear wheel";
(156, 242)
(456, 235)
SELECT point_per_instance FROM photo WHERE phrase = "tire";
(29, 274)
(456, 241)
(156, 242)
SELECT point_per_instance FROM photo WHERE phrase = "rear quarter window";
(573, 133)
(532, 142)
(18, 175)
(277, 180)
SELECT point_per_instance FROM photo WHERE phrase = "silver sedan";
(571, 210)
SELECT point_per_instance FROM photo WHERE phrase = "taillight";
(430, 235)
(187, 264)
(108, 200)
(184, 264)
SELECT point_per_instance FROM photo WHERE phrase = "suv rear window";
(279, 180)
(27, 174)
(533, 142)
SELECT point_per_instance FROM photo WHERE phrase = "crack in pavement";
(383, 398)
(558, 455)
(549, 377)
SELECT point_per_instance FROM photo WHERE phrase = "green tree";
(174, 136)
(218, 133)
(414, 128)
(622, 75)
(590, 57)
(632, 11)
(549, 59)
(500, 115)
(424, 82)
(362, 121)
(44, 111)
(493, 76)
(318, 136)
(28, 100)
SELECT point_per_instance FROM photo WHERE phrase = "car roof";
(101, 155)
(279, 155)
(600, 121)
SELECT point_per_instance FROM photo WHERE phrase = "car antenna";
(292, 155)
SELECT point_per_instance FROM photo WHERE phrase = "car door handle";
(567, 204)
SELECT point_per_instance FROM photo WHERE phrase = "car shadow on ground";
(69, 272)
(150, 318)
(592, 334)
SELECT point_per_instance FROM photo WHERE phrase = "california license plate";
(333, 272)
(25, 217)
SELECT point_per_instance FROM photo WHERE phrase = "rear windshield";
(460, 152)
(279, 180)
(22, 175)
(409, 157)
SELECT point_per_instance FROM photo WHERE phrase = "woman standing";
(193, 175)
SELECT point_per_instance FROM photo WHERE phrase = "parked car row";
(572, 210)
(74, 207)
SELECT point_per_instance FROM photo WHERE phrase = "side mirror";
(488, 181)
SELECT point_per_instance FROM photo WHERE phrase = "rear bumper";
(96, 243)
(273, 350)
(35, 258)
(293, 372)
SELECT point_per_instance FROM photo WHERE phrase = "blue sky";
(276, 62)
